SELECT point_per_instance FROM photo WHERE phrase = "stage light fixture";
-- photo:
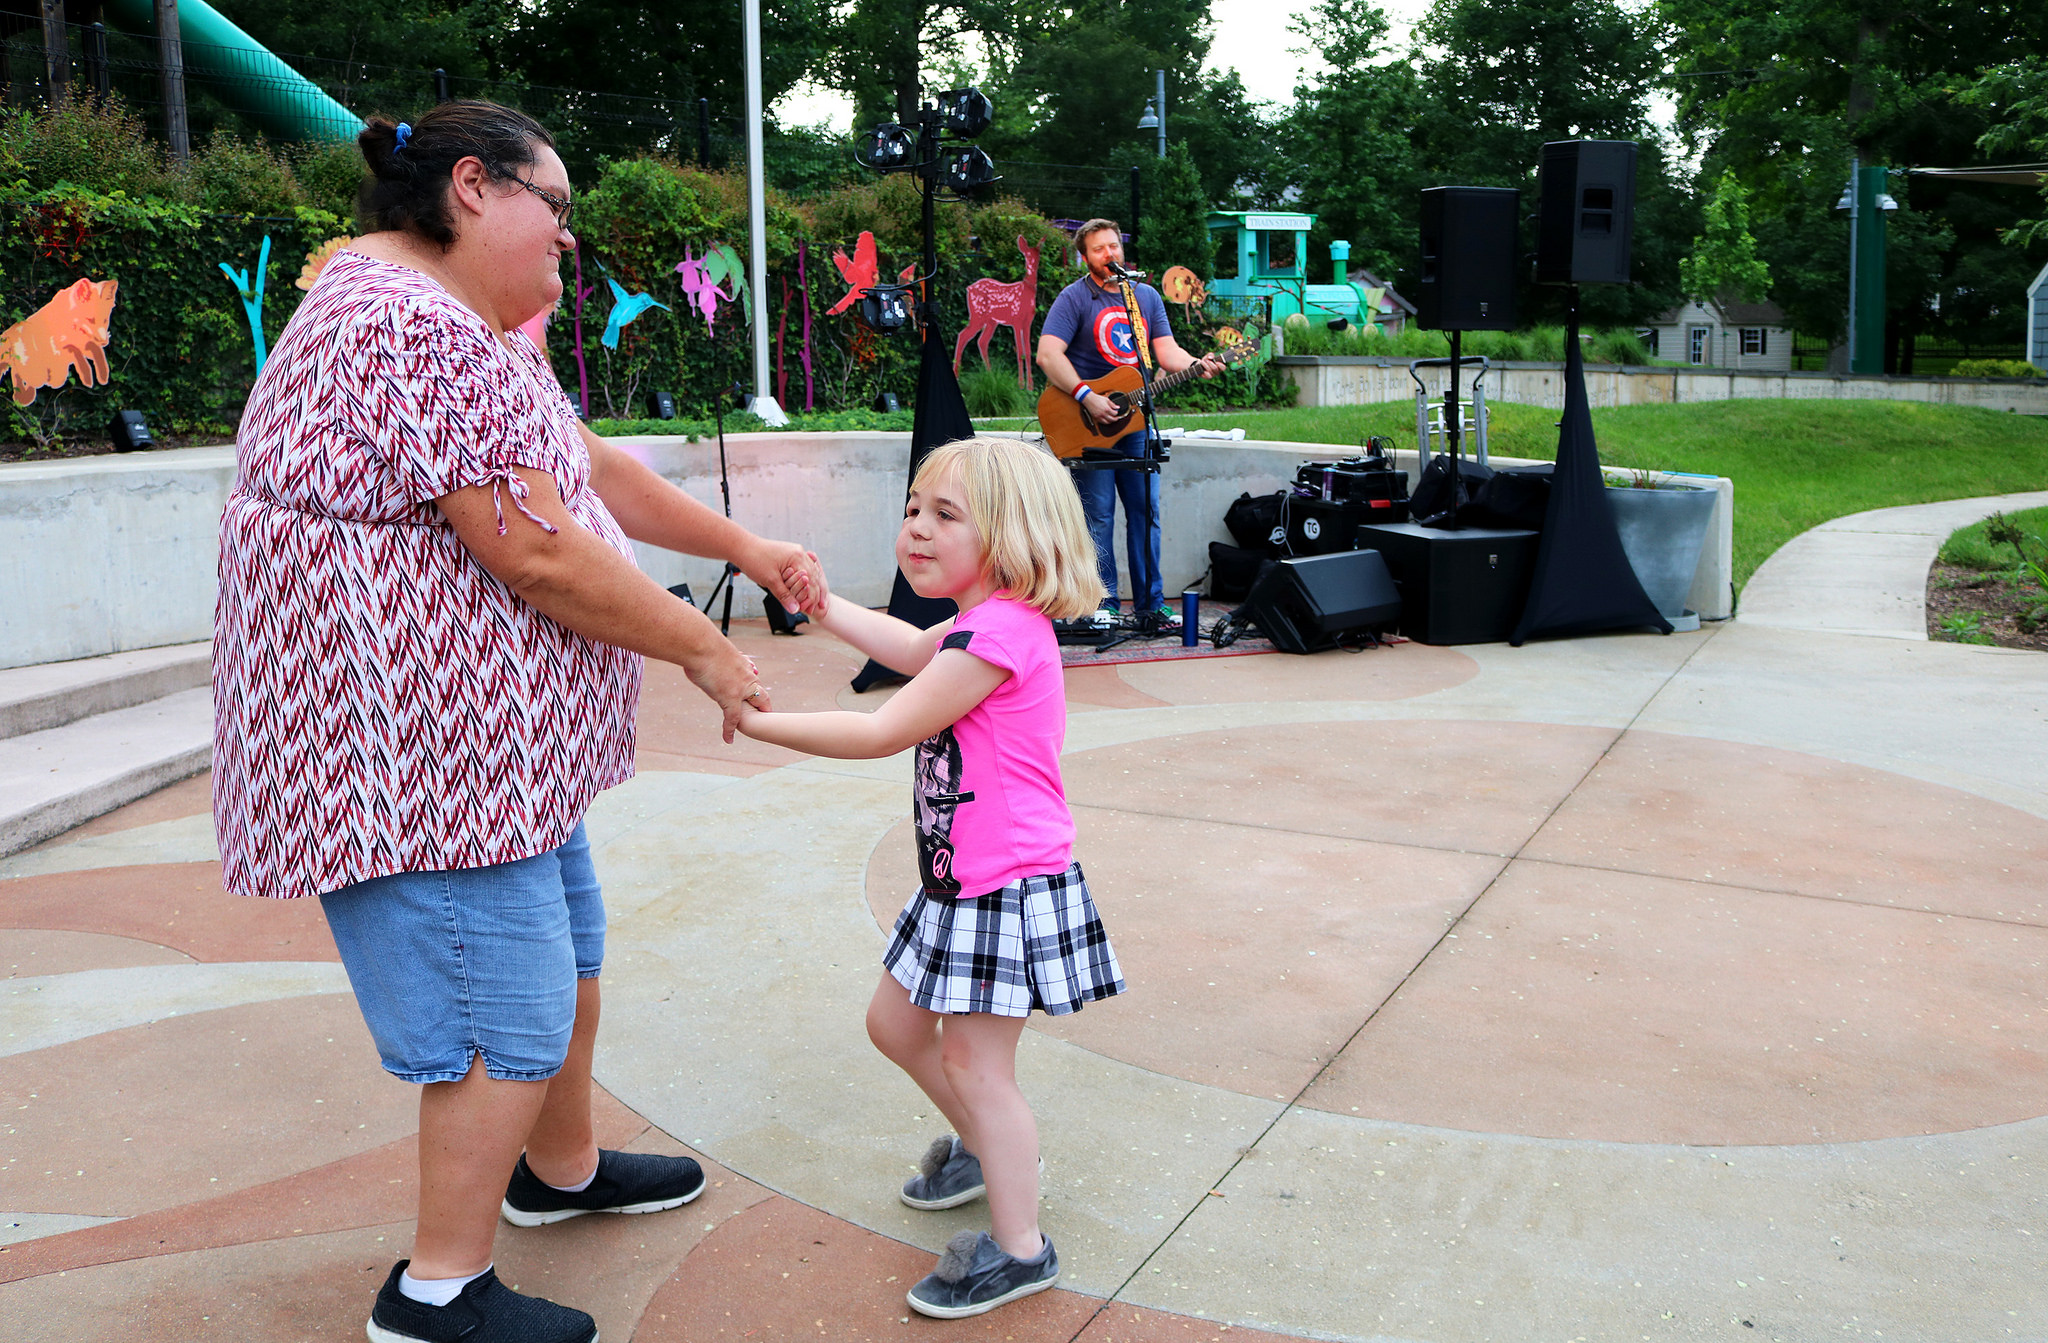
(888, 148)
(966, 112)
(885, 308)
(962, 170)
(130, 432)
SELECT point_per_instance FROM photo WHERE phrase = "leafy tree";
(1786, 94)
(454, 35)
(2015, 97)
(1724, 259)
(672, 55)
(1176, 227)
(1348, 140)
(1503, 77)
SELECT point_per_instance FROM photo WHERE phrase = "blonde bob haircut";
(1034, 537)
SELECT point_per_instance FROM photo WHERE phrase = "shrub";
(989, 391)
(97, 145)
(330, 174)
(230, 175)
(1995, 368)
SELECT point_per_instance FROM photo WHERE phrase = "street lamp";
(1155, 110)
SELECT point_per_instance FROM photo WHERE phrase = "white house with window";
(1720, 334)
(2037, 320)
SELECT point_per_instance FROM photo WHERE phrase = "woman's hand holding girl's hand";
(773, 564)
(731, 680)
(806, 580)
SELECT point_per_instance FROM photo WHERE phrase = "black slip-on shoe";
(487, 1311)
(625, 1182)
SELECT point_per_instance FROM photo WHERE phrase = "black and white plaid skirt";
(1036, 943)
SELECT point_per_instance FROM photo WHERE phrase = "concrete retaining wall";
(1352, 381)
(109, 554)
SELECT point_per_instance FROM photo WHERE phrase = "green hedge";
(180, 350)
(84, 192)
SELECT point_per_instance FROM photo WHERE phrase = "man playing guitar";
(1087, 333)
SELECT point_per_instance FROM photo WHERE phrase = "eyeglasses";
(563, 209)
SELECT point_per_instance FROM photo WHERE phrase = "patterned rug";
(1127, 646)
(1162, 649)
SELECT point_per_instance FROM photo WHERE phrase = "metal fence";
(230, 88)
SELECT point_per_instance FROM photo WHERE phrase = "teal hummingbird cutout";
(625, 307)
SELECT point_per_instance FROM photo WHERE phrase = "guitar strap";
(1138, 331)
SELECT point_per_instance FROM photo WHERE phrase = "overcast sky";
(1251, 35)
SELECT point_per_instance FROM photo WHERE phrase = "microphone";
(1117, 269)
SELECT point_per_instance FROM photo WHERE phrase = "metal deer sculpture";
(994, 303)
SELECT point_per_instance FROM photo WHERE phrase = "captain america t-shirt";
(1097, 329)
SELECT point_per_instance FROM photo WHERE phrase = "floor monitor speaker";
(1457, 587)
(1469, 251)
(1306, 604)
(1586, 209)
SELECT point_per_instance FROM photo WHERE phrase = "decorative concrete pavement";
(1620, 988)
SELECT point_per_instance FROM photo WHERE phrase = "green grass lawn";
(1972, 549)
(1795, 464)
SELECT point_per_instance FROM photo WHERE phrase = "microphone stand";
(1154, 452)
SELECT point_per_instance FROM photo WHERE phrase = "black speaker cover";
(1586, 209)
(1469, 253)
(1305, 605)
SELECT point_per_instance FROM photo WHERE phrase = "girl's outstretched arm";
(939, 696)
(894, 643)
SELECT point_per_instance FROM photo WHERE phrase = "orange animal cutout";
(70, 331)
(861, 272)
(1179, 285)
(994, 303)
(317, 259)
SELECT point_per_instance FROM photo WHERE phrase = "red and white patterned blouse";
(381, 703)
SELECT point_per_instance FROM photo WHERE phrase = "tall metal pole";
(56, 51)
(1159, 93)
(1867, 349)
(1855, 231)
(171, 64)
(757, 217)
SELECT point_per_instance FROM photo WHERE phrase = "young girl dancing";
(1002, 922)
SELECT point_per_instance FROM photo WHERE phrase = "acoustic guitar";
(1070, 430)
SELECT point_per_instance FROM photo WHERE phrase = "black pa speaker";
(1469, 256)
(1305, 605)
(1585, 211)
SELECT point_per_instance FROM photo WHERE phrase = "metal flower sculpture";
(252, 298)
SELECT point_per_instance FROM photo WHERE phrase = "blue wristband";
(1082, 395)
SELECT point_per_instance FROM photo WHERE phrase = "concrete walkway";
(1622, 988)
(1865, 573)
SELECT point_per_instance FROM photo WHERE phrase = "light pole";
(1155, 110)
(1867, 203)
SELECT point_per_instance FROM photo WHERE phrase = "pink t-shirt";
(990, 805)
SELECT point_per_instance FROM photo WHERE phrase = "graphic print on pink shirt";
(989, 802)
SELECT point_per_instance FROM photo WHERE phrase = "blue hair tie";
(404, 134)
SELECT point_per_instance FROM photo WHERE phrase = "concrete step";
(35, 699)
(64, 776)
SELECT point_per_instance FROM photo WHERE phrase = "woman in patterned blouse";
(427, 661)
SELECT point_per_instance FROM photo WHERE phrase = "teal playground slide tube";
(243, 73)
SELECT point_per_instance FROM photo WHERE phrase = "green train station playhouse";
(1261, 260)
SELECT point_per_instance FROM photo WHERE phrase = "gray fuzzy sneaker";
(975, 1275)
(948, 1176)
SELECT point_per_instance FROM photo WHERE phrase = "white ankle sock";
(576, 1188)
(435, 1291)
